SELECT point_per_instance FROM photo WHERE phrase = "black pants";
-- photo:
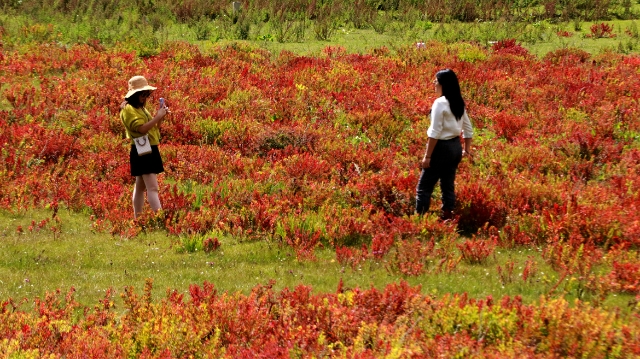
(443, 166)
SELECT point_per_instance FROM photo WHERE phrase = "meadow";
(288, 227)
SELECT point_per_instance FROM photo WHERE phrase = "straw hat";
(136, 84)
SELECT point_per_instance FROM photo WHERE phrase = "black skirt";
(145, 164)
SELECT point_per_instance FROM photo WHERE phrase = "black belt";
(451, 139)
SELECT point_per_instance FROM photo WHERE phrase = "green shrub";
(211, 131)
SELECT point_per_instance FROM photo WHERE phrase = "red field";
(325, 150)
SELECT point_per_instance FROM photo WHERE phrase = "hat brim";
(146, 88)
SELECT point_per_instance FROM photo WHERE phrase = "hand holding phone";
(163, 105)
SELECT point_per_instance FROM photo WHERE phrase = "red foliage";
(479, 205)
(411, 257)
(506, 273)
(210, 244)
(325, 151)
(510, 47)
(601, 30)
(509, 126)
(569, 260)
(626, 276)
(564, 33)
(476, 250)
(350, 322)
(530, 270)
(567, 55)
(351, 256)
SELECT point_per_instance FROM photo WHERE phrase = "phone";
(161, 102)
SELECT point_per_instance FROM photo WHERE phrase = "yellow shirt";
(132, 118)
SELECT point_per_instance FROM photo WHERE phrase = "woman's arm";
(467, 133)
(426, 160)
(157, 119)
(466, 150)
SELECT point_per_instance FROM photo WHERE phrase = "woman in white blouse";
(444, 149)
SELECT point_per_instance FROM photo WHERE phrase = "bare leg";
(138, 196)
(151, 183)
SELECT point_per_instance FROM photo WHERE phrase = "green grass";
(353, 40)
(36, 262)
(539, 37)
(621, 43)
(33, 263)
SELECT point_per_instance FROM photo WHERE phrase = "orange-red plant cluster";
(324, 150)
(397, 321)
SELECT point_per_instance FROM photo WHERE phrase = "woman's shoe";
(446, 215)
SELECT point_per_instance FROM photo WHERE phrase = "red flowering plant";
(564, 33)
(601, 30)
(354, 323)
(324, 150)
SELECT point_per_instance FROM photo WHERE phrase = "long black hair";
(451, 91)
(134, 100)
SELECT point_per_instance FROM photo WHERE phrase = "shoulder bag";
(143, 146)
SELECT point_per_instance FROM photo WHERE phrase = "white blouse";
(444, 125)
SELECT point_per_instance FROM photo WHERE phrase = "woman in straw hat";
(138, 122)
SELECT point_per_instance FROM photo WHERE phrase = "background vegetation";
(300, 167)
(260, 147)
(305, 26)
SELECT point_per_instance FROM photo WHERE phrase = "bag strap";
(143, 138)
